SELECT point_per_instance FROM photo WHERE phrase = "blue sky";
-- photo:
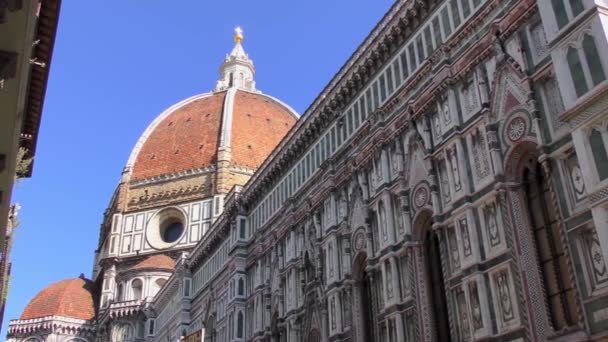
(116, 66)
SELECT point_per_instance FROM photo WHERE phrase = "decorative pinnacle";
(238, 34)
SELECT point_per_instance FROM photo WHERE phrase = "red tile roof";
(69, 298)
(188, 137)
(258, 125)
(184, 140)
(156, 261)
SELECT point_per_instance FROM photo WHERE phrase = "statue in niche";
(362, 179)
(455, 173)
(342, 206)
(437, 124)
(397, 159)
(423, 132)
(316, 218)
(445, 110)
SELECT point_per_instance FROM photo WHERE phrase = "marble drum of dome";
(166, 228)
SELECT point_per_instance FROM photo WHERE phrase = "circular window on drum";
(166, 228)
(172, 231)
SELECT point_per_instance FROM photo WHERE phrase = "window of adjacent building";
(598, 148)
(585, 66)
(566, 10)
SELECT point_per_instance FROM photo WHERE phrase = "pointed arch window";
(593, 60)
(241, 287)
(566, 10)
(576, 71)
(600, 157)
(585, 65)
(120, 293)
(239, 325)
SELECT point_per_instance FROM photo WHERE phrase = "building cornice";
(51, 323)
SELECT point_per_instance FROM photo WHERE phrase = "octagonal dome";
(188, 135)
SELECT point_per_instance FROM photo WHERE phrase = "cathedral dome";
(188, 135)
(235, 123)
(71, 298)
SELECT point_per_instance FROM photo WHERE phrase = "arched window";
(120, 293)
(576, 71)
(239, 325)
(560, 294)
(160, 282)
(137, 286)
(242, 227)
(600, 157)
(241, 287)
(593, 60)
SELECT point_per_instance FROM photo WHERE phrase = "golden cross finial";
(238, 34)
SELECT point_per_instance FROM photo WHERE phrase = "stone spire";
(237, 69)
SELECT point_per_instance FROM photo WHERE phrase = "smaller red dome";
(156, 261)
(73, 298)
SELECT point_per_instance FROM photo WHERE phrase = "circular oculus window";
(172, 231)
(165, 228)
